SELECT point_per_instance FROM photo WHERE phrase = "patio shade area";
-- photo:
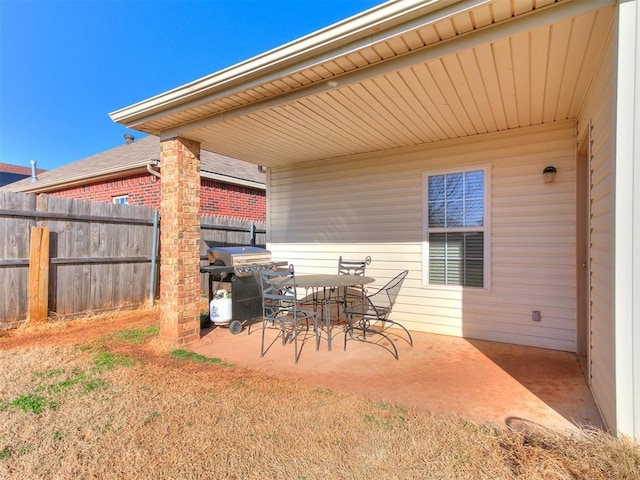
(478, 380)
(399, 75)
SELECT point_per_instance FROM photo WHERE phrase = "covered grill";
(242, 260)
(237, 266)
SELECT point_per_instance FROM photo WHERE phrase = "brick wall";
(143, 189)
(180, 241)
(216, 198)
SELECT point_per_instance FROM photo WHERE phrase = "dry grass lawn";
(102, 398)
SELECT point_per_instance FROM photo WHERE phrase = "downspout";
(154, 240)
(152, 171)
(154, 257)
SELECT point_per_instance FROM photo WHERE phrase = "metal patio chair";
(276, 265)
(351, 294)
(371, 316)
(280, 308)
(353, 267)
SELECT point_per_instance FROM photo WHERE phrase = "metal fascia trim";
(233, 180)
(265, 63)
(44, 186)
(487, 34)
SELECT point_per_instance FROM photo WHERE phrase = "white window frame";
(120, 197)
(486, 229)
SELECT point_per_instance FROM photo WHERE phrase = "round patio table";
(317, 281)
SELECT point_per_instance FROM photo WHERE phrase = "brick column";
(180, 240)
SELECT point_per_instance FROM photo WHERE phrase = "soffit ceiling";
(500, 65)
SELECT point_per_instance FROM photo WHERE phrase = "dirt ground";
(76, 331)
(482, 381)
(169, 418)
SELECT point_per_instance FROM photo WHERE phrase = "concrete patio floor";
(479, 380)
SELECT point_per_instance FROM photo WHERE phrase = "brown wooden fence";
(101, 255)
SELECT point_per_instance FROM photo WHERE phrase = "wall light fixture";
(549, 174)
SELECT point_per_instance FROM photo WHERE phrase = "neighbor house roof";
(10, 173)
(17, 169)
(134, 158)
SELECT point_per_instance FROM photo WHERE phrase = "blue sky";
(65, 65)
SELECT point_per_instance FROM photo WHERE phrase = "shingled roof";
(18, 169)
(132, 158)
(10, 173)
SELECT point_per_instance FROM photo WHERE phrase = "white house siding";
(598, 110)
(372, 205)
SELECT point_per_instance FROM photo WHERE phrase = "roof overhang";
(405, 73)
(347, 35)
(45, 186)
(71, 181)
(217, 177)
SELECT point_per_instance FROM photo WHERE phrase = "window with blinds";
(455, 228)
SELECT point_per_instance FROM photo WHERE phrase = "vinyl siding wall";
(373, 205)
(598, 109)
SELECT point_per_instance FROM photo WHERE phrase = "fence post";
(253, 234)
(39, 274)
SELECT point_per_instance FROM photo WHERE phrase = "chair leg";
(283, 332)
(250, 323)
(346, 331)
(264, 326)
(391, 322)
(364, 331)
(405, 331)
(295, 341)
(289, 330)
(391, 342)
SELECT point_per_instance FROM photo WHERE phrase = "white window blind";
(455, 232)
